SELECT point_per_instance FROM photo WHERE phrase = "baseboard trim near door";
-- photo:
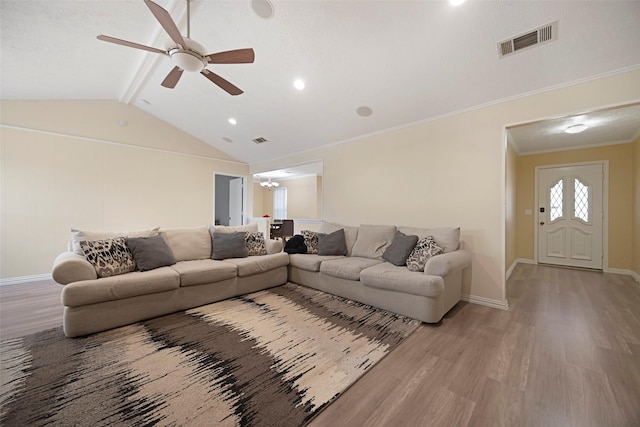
(487, 302)
(515, 263)
(24, 279)
(631, 273)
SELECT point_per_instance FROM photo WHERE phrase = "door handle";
(541, 222)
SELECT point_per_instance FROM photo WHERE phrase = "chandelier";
(269, 185)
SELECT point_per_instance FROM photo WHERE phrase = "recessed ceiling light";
(233, 121)
(262, 8)
(576, 128)
(364, 111)
(456, 2)
(299, 84)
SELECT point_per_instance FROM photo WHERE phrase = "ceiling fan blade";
(172, 78)
(130, 44)
(167, 23)
(238, 56)
(224, 85)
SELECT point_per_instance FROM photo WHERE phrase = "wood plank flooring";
(566, 353)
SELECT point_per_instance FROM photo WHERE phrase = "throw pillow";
(295, 245)
(79, 235)
(255, 243)
(109, 257)
(310, 241)
(150, 252)
(425, 249)
(229, 245)
(400, 249)
(332, 244)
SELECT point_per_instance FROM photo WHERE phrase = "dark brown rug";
(271, 358)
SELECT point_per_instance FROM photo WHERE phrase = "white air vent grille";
(544, 34)
(259, 140)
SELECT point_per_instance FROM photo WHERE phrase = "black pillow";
(400, 249)
(229, 245)
(296, 245)
(150, 252)
(332, 244)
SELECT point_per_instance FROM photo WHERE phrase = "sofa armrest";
(70, 267)
(273, 246)
(441, 265)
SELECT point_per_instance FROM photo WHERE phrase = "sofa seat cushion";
(310, 262)
(347, 268)
(259, 264)
(120, 287)
(394, 278)
(204, 271)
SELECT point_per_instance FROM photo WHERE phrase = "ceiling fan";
(187, 54)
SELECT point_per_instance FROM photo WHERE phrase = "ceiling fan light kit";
(186, 53)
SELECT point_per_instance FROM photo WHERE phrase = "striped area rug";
(271, 358)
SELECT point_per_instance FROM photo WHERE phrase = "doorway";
(229, 200)
(571, 215)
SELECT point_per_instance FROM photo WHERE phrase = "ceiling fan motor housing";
(188, 58)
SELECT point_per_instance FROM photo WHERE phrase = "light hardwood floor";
(566, 353)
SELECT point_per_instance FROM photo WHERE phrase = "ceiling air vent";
(259, 140)
(544, 34)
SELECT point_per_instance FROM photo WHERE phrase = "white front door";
(570, 215)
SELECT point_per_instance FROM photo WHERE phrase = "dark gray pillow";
(150, 252)
(229, 245)
(400, 249)
(332, 244)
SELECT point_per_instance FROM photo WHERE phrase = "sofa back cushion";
(448, 238)
(350, 233)
(373, 240)
(188, 243)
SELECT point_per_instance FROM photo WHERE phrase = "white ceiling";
(406, 60)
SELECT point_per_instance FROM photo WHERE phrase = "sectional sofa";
(353, 262)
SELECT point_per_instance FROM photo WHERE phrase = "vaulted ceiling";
(405, 61)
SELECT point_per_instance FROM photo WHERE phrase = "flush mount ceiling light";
(269, 185)
(576, 128)
(299, 84)
(233, 121)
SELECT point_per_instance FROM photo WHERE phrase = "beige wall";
(448, 172)
(510, 206)
(620, 204)
(636, 208)
(69, 164)
(303, 198)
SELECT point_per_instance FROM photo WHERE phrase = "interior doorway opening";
(229, 200)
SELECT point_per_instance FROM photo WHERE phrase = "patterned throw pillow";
(255, 243)
(109, 257)
(311, 241)
(425, 249)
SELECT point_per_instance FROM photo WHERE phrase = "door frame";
(244, 195)
(605, 207)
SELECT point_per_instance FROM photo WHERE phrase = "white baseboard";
(631, 273)
(515, 263)
(24, 279)
(488, 302)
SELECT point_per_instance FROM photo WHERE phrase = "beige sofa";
(364, 276)
(93, 304)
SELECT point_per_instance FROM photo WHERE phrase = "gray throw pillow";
(150, 252)
(229, 245)
(400, 249)
(332, 244)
